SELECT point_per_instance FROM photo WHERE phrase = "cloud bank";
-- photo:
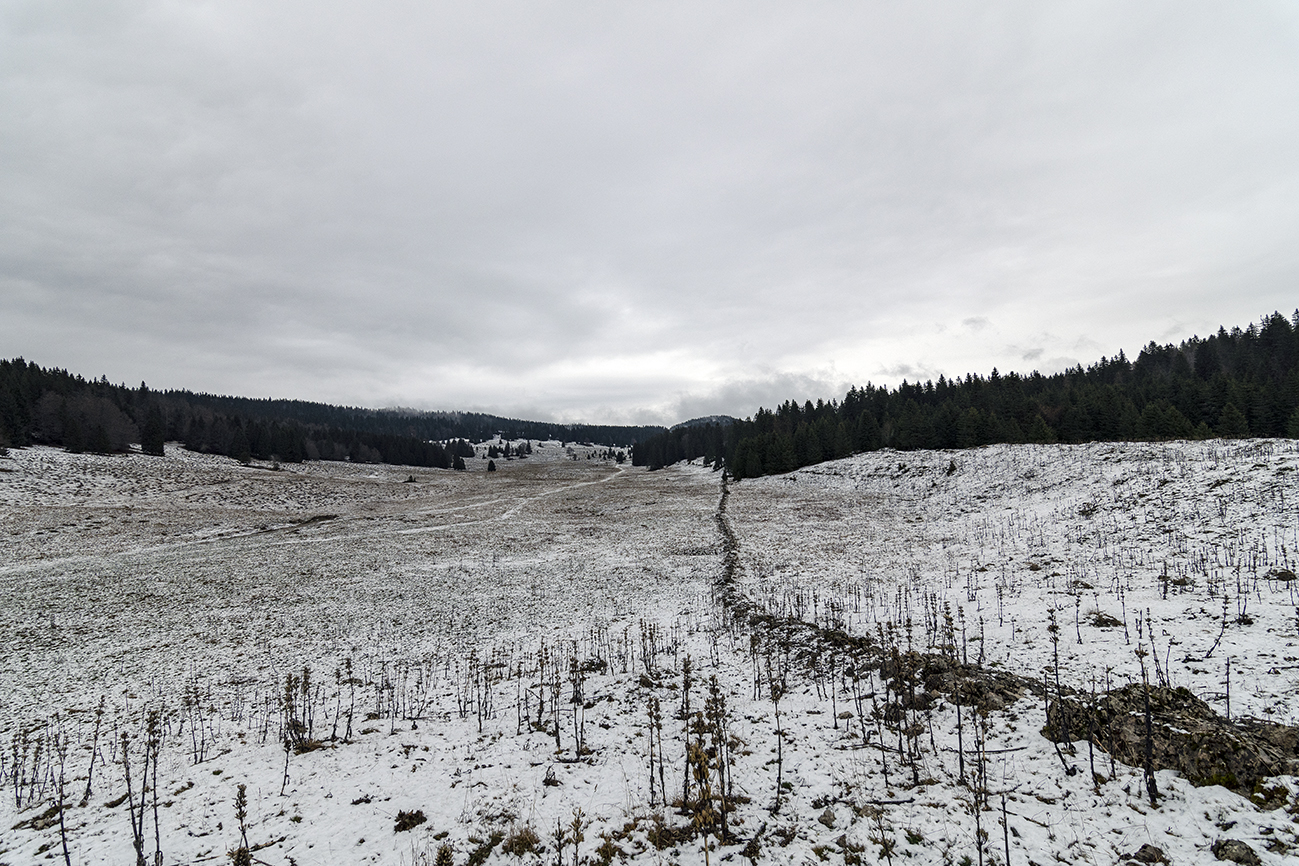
(623, 212)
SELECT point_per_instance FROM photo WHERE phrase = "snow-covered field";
(1163, 538)
(448, 623)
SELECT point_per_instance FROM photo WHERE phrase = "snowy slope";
(193, 587)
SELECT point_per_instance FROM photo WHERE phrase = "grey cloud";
(578, 211)
(910, 372)
(740, 398)
(1059, 365)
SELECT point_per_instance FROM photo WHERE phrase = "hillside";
(861, 653)
(55, 407)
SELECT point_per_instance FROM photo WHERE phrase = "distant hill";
(704, 421)
(1237, 383)
(55, 407)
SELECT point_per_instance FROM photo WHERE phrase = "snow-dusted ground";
(1163, 535)
(193, 586)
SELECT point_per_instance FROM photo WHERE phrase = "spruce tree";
(868, 432)
(72, 436)
(154, 432)
(98, 443)
(1040, 432)
(1232, 423)
(239, 447)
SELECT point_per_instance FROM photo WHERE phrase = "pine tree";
(154, 432)
(868, 432)
(239, 447)
(72, 436)
(1040, 432)
(99, 443)
(1232, 423)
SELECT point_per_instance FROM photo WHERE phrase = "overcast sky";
(634, 212)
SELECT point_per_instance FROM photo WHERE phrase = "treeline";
(1235, 384)
(55, 407)
(435, 426)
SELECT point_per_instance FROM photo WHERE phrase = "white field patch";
(447, 624)
(1185, 550)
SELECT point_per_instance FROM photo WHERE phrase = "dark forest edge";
(1232, 384)
(54, 407)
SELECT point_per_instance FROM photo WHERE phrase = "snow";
(143, 580)
(1174, 530)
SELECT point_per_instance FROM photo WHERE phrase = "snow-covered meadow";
(1185, 549)
(488, 649)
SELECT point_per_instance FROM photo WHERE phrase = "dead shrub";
(409, 820)
(522, 841)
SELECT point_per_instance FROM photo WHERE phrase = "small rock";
(1148, 854)
(1236, 851)
(827, 817)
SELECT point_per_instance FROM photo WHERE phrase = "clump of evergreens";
(1232, 384)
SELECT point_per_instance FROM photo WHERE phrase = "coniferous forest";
(55, 407)
(1237, 383)
(1232, 384)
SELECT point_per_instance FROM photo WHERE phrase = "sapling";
(718, 718)
(308, 705)
(153, 734)
(1222, 629)
(338, 703)
(192, 706)
(1154, 653)
(879, 726)
(886, 843)
(135, 815)
(686, 682)
(94, 751)
(702, 821)
(776, 684)
(520, 700)
(1109, 728)
(61, 751)
(1005, 827)
(857, 699)
(576, 836)
(685, 716)
(960, 736)
(242, 856)
(1152, 787)
(1091, 735)
(1054, 630)
(284, 780)
(351, 693)
(654, 731)
(1228, 688)
(1123, 606)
